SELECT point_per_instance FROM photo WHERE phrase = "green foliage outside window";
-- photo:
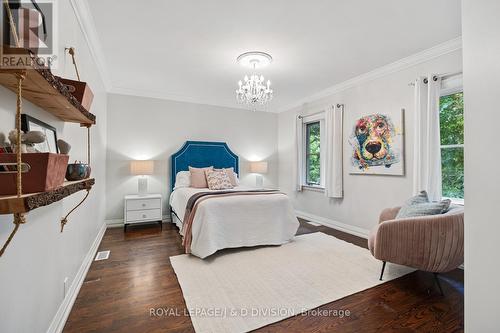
(313, 161)
(452, 139)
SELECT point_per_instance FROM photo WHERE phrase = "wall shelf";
(43, 89)
(12, 204)
(38, 85)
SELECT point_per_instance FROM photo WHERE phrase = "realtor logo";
(28, 33)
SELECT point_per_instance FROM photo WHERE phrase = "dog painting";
(377, 142)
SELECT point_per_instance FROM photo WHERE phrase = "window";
(313, 134)
(313, 153)
(451, 118)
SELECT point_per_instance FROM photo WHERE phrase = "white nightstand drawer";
(143, 215)
(142, 204)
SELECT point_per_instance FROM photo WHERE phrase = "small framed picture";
(29, 123)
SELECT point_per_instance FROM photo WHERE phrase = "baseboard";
(356, 231)
(118, 223)
(62, 314)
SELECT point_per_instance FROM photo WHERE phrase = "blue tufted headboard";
(201, 154)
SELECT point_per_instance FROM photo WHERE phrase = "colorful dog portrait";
(377, 142)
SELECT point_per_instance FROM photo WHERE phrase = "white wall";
(148, 128)
(481, 31)
(33, 268)
(364, 195)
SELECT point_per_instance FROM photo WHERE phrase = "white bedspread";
(237, 221)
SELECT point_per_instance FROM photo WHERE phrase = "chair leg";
(436, 278)
(382, 273)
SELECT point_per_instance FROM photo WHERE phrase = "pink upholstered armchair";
(432, 243)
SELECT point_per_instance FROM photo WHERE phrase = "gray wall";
(148, 128)
(481, 30)
(33, 268)
(364, 195)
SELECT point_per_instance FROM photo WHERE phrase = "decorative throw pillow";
(198, 177)
(218, 180)
(422, 197)
(233, 177)
(182, 179)
(419, 205)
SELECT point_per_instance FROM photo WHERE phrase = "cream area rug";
(243, 289)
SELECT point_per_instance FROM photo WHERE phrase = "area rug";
(243, 289)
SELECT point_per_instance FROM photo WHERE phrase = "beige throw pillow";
(198, 177)
(218, 180)
(231, 174)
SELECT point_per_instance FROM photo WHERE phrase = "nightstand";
(142, 208)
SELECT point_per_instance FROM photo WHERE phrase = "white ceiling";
(186, 50)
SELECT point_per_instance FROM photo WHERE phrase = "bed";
(230, 220)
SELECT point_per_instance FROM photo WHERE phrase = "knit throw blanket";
(196, 199)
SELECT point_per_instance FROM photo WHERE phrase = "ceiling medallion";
(252, 91)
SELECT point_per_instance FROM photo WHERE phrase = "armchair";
(432, 243)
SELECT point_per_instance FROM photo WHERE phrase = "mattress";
(236, 221)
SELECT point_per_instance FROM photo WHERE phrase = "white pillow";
(182, 179)
(237, 179)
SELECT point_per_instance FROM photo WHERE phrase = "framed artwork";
(29, 123)
(377, 142)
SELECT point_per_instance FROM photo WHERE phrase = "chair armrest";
(430, 243)
(388, 214)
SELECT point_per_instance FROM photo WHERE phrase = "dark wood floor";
(118, 293)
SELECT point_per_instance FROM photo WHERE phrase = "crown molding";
(87, 25)
(174, 98)
(415, 59)
(86, 21)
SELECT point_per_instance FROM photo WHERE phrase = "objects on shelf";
(41, 172)
(79, 89)
(3, 140)
(64, 147)
(28, 140)
(78, 171)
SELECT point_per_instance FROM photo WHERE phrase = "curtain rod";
(300, 116)
(442, 76)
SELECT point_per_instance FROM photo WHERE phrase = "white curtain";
(427, 159)
(299, 177)
(334, 145)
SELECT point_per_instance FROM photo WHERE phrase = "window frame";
(319, 117)
(450, 86)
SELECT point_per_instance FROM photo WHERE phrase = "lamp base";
(259, 181)
(142, 186)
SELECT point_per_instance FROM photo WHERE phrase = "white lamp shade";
(258, 167)
(141, 167)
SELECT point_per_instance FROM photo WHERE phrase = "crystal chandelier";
(253, 91)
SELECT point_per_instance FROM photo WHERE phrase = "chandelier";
(253, 91)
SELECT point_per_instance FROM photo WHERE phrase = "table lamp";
(142, 169)
(259, 168)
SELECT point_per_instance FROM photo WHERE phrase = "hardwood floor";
(118, 293)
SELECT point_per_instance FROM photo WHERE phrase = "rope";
(11, 23)
(64, 220)
(20, 78)
(18, 220)
(71, 51)
(88, 145)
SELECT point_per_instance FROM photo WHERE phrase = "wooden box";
(46, 173)
(80, 90)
